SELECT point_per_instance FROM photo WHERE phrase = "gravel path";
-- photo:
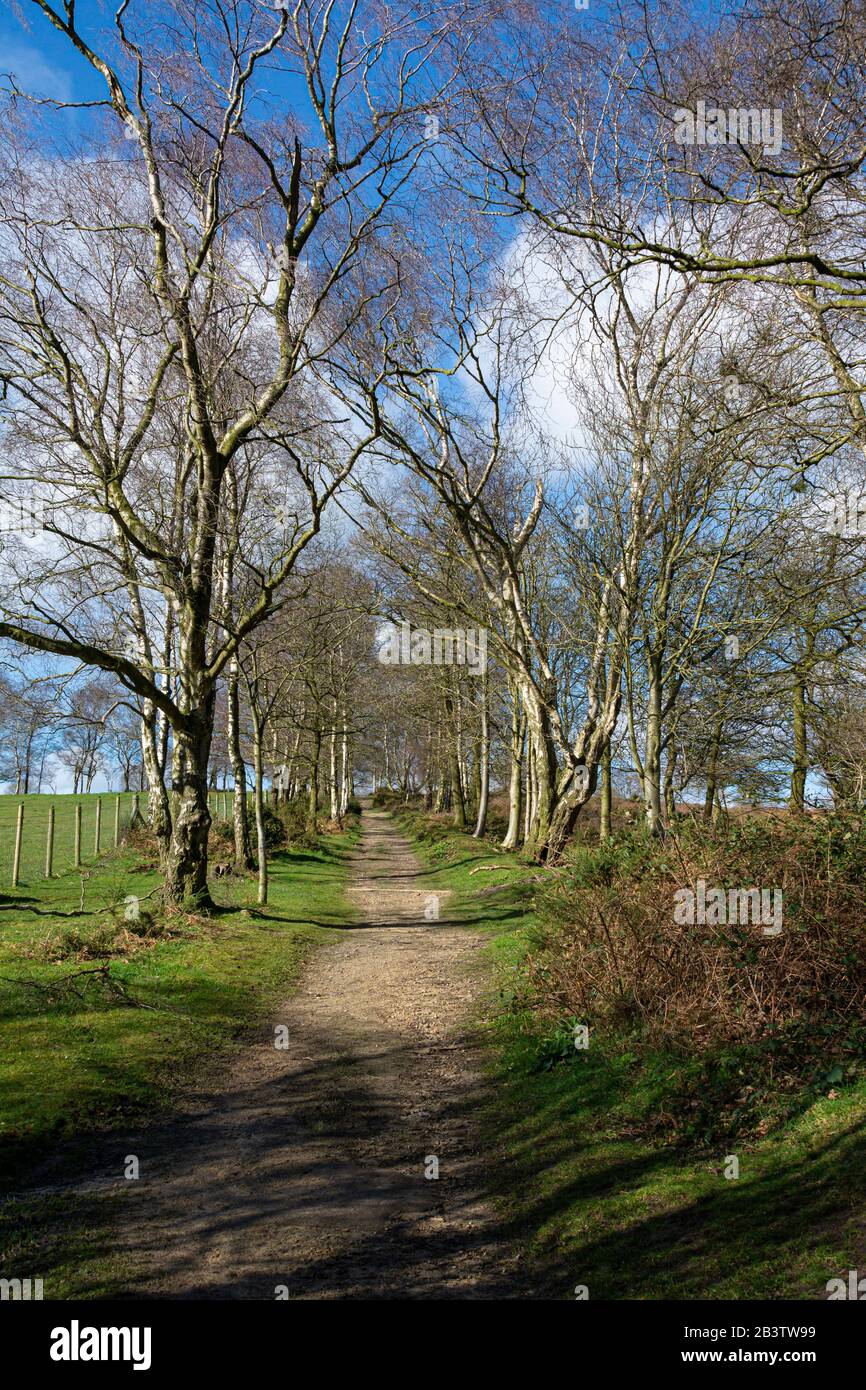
(304, 1175)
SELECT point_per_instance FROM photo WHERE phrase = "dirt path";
(306, 1171)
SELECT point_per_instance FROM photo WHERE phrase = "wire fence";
(43, 836)
(221, 804)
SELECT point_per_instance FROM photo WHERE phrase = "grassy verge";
(598, 1203)
(98, 1035)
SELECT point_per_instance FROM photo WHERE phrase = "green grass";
(35, 827)
(596, 1203)
(66, 1240)
(592, 1200)
(76, 1065)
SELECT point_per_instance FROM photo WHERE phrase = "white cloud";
(34, 75)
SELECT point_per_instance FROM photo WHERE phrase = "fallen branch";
(58, 987)
(496, 868)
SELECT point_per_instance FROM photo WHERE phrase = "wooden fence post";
(49, 843)
(98, 831)
(16, 863)
(116, 822)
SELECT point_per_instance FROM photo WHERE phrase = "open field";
(115, 811)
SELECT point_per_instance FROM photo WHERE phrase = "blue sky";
(45, 63)
(43, 60)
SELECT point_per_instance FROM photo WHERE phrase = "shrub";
(616, 952)
(751, 1017)
(275, 827)
(383, 796)
(294, 815)
(221, 841)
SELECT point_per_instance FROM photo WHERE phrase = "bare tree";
(160, 309)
